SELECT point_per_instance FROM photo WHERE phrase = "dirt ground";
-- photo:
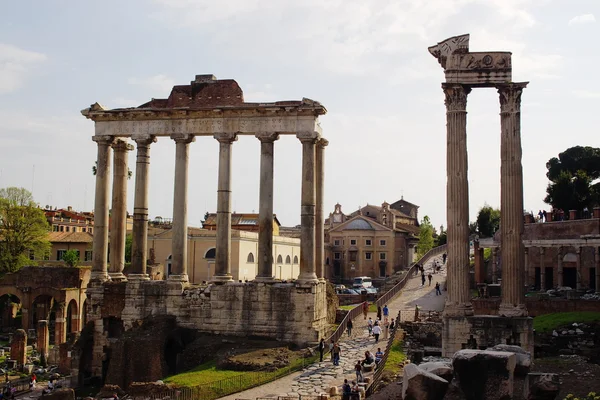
(577, 377)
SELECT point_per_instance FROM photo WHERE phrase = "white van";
(362, 282)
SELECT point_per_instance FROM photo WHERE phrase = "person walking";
(430, 277)
(386, 329)
(349, 326)
(370, 326)
(386, 312)
(346, 390)
(321, 349)
(379, 313)
(422, 279)
(438, 292)
(365, 309)
(336, 354)
(376, 331)
(331, 349)
(358, 370)
(392, 325)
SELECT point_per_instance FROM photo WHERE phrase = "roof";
(408, 228)
(393, 211)
(70, 237)
(249, 219)
(290, 231)
(360, 222)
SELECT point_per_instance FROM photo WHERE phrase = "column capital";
(267, 137)
(121, 145)
(308, 136)
(226, 137)
(510, 96)
(143, 139)
(323, 142)
(183, 138)
(104, 139)
(456, 96)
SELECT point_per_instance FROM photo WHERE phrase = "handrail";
(337, 334)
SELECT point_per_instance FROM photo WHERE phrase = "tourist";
(392, 325)
(368, 358)
(422, 279)
(386, 312)
(346, 390)
(378, 356)
(444, 256)
(438, 292)
(379, 313)
(32, 382)
(365, 309)
(331, 349)
(355, 391)
(349, 327)
(336, 354)
(321, 349)
(541, 216)
(358, 370)
(376, 331)
(430, 277)
(370, 326)
(386, 329)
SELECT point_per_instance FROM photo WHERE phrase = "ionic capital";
(267, 137)
(322, 142)
(104, 140)
(225, 137)
(144, 139)
(456, 96)
(510, 96)
(121, 145)
(308, 137)
(183, 138)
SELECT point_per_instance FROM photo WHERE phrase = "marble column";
(60, 325)
(43, 338)
(319, 217)
(597, 266)
(139, 243)
(542, 270)
(578, 268)
(494, 265)
(265, 207)
(458, 302)
(100, 239)
(560, 267)
(527, 278)
(180, 234)
(511, 201)
(308, 272)
(223, 256)
(118, 216)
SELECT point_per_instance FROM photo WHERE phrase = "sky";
(365, 61)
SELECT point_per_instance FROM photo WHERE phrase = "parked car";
(371, 289)
(362, 281)
(340, 287)
(347, 291)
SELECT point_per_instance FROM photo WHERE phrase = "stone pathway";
(319, 377)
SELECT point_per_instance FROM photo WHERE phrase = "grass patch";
(372, 307)
(548, 322)
(348, 308)
(395, 357)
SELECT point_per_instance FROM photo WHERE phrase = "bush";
(590, 396)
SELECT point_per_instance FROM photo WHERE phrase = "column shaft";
(265, 208)
(527, 278)
(307, 209)
(560, 267)
(597, 266)
(578, 268)
(180, 234)
(223, 256)
(494, 265)
(118, 217)
(139, 245)
(319, 217)
(100, 239)
(457, 201)
(542, 270)
(511, 201)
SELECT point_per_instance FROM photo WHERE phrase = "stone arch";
(72, 318)
(10, 311)
(210, 253)
(295, 259)
(250, 258)
(279, 259)
(570, 257)
(288, 260)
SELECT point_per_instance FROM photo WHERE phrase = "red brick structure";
(18, 348)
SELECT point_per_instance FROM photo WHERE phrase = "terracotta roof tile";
(70, 237)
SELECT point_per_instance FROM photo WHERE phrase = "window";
(54, 228)
(336, 242)
(368, 255)
(62, 228)
(352, 242)
(382, 256)
(47, 255)
(67, 229)
(337, 256)
(353, 255)
(210, 254)
(31, 255)
(295, 259)
(288, 260)
(382, 242)
(88, 255)
(368, 242)
(60, 254)
(90, 230)
(250, 258)
(279, 259)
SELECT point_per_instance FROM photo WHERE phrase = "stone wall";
(537, 307)
(483, 331)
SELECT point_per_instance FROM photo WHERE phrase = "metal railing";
(393, 292)
(337, 334)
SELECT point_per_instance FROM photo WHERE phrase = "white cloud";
(582, 19)
(158, 83)
(15, 64)
(587, 94)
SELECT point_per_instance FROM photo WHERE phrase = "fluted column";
(578, 268)
(308, 273)
(458, 302)
(527, 278)
(180, 234)
(511, 201)
(100, 239)
(223, 256)
(561, 280)
(319, 217)
(139, 243)
(265, 207)
(118, 217)
(597, 267)
(494, 264)
(542, 270)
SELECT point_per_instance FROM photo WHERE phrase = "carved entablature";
(472, 68)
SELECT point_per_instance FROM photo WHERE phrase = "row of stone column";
(312, 239)
(457, 200)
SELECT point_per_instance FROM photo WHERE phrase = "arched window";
(250, 258)
(295, 259)
(279, 259)
(211, 253)
(288, 260)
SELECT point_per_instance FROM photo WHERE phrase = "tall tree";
(426, 241)
(488, 221)
(572, 179)
(23, 230)
(71, 258)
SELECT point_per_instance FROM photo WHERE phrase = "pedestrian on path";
(321, 349)
(438, 292)
(378, 356)
(392, 325)
(365, 309)
(346, 390)
(379, 313)
(386, 312)
(331, 349)
(370, 326)
(376, 331)
(358, 370)
(349, 326)
(336, 354)
(386, 329)
(423, 279)
(430, 277)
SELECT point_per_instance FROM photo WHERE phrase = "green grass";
(372, 307)
(203, 373)
(548, 322)
(395, 357)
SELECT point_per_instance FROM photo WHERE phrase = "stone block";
(18, 347)
(61, 394)
(484, 374)
(523, 358)
(541, 386)
(28, 369)
(440, 368)
(422, 385)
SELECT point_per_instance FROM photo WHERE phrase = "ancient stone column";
(18, 347)
(578, 268)
(223, 251)
(100, 240)
(527, 278)
(118, 217)
(265, 207)
(597, 267)
(458, 302)
(60, 325)
(511, 201)
(43, 337)
(308, 272)
(319, 217)
(494, 264)
(180, 234)
(542, 270)
(139, 243)
(560, 267)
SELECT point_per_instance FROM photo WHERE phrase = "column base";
(307, 278)
(512, 310)
(99, 276)
(117, 276)
(138, 277)
(222, 279)
(458, 310)
(178, 278)
(265, 279)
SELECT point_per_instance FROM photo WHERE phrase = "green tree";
(71, 258)
(442, 238)
(128, 242)
(572, 176)
(488, 221)
(425, 237)
(23, 230)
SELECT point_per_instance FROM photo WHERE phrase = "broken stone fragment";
(485, 374)
(422, 385)
(523, 358)
(440, 368)
(541, 386)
